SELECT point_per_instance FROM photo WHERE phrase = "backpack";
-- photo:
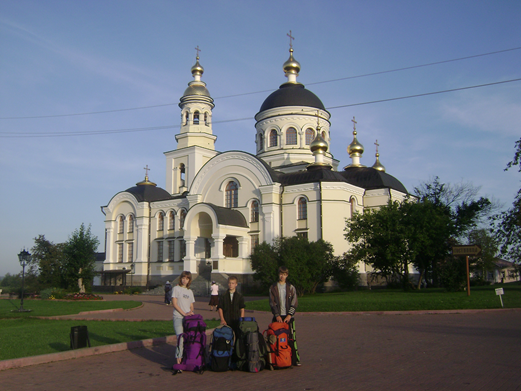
(221, 349)
(279, 351)
(250, 347)
(194, 345)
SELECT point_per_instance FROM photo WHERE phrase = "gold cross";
(146, 170)
(291, 38)
(377, 145)
(354, 123)
(198, 50)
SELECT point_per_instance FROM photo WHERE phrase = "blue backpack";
(221, 349)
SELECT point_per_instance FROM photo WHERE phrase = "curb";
(86, 352)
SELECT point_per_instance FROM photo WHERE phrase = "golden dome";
(355, 147)
(377, 165)
(197, 69)
(291, 66)
(318, 144)
(146, 182)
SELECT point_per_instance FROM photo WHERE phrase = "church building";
(217, 206)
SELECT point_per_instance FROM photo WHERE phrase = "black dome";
(292, 94)
(369, 178)
(149, 193)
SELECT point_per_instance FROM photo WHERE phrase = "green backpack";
(250, 346)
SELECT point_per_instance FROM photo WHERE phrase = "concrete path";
(470, 350)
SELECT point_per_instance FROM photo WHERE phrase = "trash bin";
(79, 337)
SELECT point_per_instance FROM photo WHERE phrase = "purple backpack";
(194, 345)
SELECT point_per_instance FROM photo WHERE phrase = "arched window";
(310, 136)
(182, 171)
(273, 138)
(121, 226)
(302, 209)
(206, 119)
(196, 118)
(186, 118)
(324, 135)
(182, 217)
(230, 247)
(353, 206)
(171, 221)
(254, 212)
(160, 221)
(232, 195)
(291, 136)
(130, 223)
(261, 142)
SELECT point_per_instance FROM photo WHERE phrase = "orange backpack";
(277, 339)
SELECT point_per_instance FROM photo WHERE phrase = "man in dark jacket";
(231, 305)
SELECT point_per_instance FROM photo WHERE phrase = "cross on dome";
(354, 123)
(197, 50)
(291, 39)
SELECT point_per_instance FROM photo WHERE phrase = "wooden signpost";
(472, 249)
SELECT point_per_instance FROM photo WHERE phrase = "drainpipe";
(281, 213)
(320, 205)
(149, 243)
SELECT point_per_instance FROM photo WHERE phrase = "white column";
(109, 256)
(190, 263)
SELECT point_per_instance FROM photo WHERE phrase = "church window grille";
(160, 221)
(232, 194)
(171, 250)
(171, 221)
(206, 119)
(121, 226)
(310, 136)
(261, 142)
(182, 217)
(254, 242)
(291, 136)
(183, 248)
(130, 252)
(273, 138)
(230, 247)
(302, 209)
(160, 251)
(120, 252)
(131, 223)
(254, 212)
(196, 118)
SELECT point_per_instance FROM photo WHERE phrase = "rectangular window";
(160, 251)
(171, 250)
(303, 235)
(183, 248)
(120, 252)
(130, 252)
(254, 241)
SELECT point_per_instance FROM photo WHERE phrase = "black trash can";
(79, 337)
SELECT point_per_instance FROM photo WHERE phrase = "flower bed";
(82, 296)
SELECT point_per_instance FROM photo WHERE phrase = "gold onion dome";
(355, 147)
(291, 66)
(318, 144)
(377, 165)
(146, 182)
(197, 69)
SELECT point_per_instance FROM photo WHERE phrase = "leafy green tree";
(48, 259)
(507, 225)
(345, 271)
(489, 249)
(79, 257)
(308, 262)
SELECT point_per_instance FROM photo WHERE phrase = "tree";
(345, 271)
(308, 262)
(489, 248)
(48, 259)
(79, 257)
(507, 225)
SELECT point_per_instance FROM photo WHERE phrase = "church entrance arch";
(201, 230)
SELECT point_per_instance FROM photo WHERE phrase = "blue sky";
(71, 57)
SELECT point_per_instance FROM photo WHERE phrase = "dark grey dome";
(292, 94)
(149, 193)
(369, 178)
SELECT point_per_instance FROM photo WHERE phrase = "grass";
(56, 308)
(396, 300)
(24, 337)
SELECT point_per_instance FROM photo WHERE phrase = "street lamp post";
(24, 257)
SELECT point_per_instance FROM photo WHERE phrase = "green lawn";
(23, 337)
(56, 308)
(396, 300)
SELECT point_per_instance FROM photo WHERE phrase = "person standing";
(168, 293)
(214, 296)
(183, 302)
(283, 303)
(231, 305)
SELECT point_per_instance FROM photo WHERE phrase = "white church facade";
(216, 206)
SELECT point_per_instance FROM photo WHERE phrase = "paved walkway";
(470, 350)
